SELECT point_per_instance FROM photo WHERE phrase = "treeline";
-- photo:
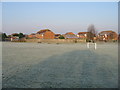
(5, 37)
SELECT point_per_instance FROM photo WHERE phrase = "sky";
(60, 17)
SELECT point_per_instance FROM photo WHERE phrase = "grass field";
(37, 65)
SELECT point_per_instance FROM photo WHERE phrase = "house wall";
(31, 36)
(70, 36)
(39, 36)
(112, 36)
(49, 35)
(115, 36)
(82, 36)
(46, 35)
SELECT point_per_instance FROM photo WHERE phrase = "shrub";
(61, 37)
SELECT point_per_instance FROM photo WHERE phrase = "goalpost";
(95, 45)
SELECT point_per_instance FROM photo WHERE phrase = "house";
(70, 35)
(14, 36)
(45, 34)
(107, 35)
(57, 36)
(33, 35)
(82, 35)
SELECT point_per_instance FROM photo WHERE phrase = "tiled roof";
(71, 36)
(14, 33)
(57, 34)
(71, 33)
(82, 32)
(106, 32)
(43, 31)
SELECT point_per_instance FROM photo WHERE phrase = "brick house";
(82, 35)
(33, 35)
(57, 36)
(15, 36)
(45, 34)
(70, 35)
(107, 35)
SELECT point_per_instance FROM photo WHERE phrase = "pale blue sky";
(60, 17)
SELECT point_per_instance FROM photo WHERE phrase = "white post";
(11, 39)
(95, 46)
(87, 45)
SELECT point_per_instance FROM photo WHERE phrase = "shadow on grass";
(76, 69)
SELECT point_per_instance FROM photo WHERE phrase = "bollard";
(95, 46)
(87, 45)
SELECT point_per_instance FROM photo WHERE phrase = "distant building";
(14, 36)
(107, 35)
(70, 35)
(57, 36)
(17, 37)
(82, 35)
(33, 35)
(45, 34)
(25, 35)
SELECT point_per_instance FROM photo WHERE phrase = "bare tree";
(91, 33)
